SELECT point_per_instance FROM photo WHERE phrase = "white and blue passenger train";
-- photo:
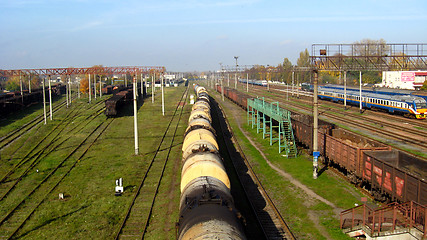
(255, 82)
(407, 105)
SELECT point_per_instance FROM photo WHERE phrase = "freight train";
(206, 209)
(406, 105)
(14, 101)
(121, 96)
(389, 175)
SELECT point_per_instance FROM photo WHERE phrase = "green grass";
(292, 202)
(90, 210)
(17, 119)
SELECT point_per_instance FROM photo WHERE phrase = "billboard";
(408, 76)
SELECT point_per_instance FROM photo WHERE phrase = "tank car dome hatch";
(199, 123)
(199, 146)
(205, 188)
(203, 164)
(199, 114)
(201, 105)
(199, 134)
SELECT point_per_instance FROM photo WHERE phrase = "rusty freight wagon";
(345, 149)
(396, 175)
(114, 103)
(303, 131)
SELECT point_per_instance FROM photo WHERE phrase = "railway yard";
(57, 180)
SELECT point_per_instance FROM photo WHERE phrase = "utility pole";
(135, 119)
(222, 90)
(29, 84)
(345, 89)
(360, 91)
(152, 86)
(69, 87)
(66, 91)
(50, 99)
(235, 76)
(287, 91)
(142, 87)
(90, 90)
(20, 84)
(163, 95)
(316, 153)
(247, 82)
(100, 86)
(94, 84)
(44, 101)
(78, 90)
(228, 80)
(293, 76)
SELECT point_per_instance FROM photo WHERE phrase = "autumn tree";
(304, 61)
(424, 86)
(84, 84)
(370, 47)
(13, 84)
(286, 70)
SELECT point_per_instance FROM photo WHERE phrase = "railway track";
(11, 179)
(269, 218)
(15, 134)
(136, 221)
(419, 137)
(15, 218)
(306, 97)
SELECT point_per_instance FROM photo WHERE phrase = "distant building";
(169, 76)
(412, 80)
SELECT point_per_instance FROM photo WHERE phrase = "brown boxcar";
(345, 148)
(396, 174)
(303, 131)
(107, 89)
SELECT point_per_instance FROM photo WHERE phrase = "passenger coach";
(407, 105)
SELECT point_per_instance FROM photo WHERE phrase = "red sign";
(408, 76)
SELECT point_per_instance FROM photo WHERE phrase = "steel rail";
(9, 214)
(269, 201)
(388, 133)
(141, 184)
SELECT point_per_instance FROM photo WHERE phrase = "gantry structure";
(133, 70)
(234, 68)
(369, 57)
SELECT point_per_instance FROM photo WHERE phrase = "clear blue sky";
(191, 35)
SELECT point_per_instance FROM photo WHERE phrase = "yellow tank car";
(198, 146)
(199, 134)
(201, 105)
(203, 164)
(199, 113)
(199, 123)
